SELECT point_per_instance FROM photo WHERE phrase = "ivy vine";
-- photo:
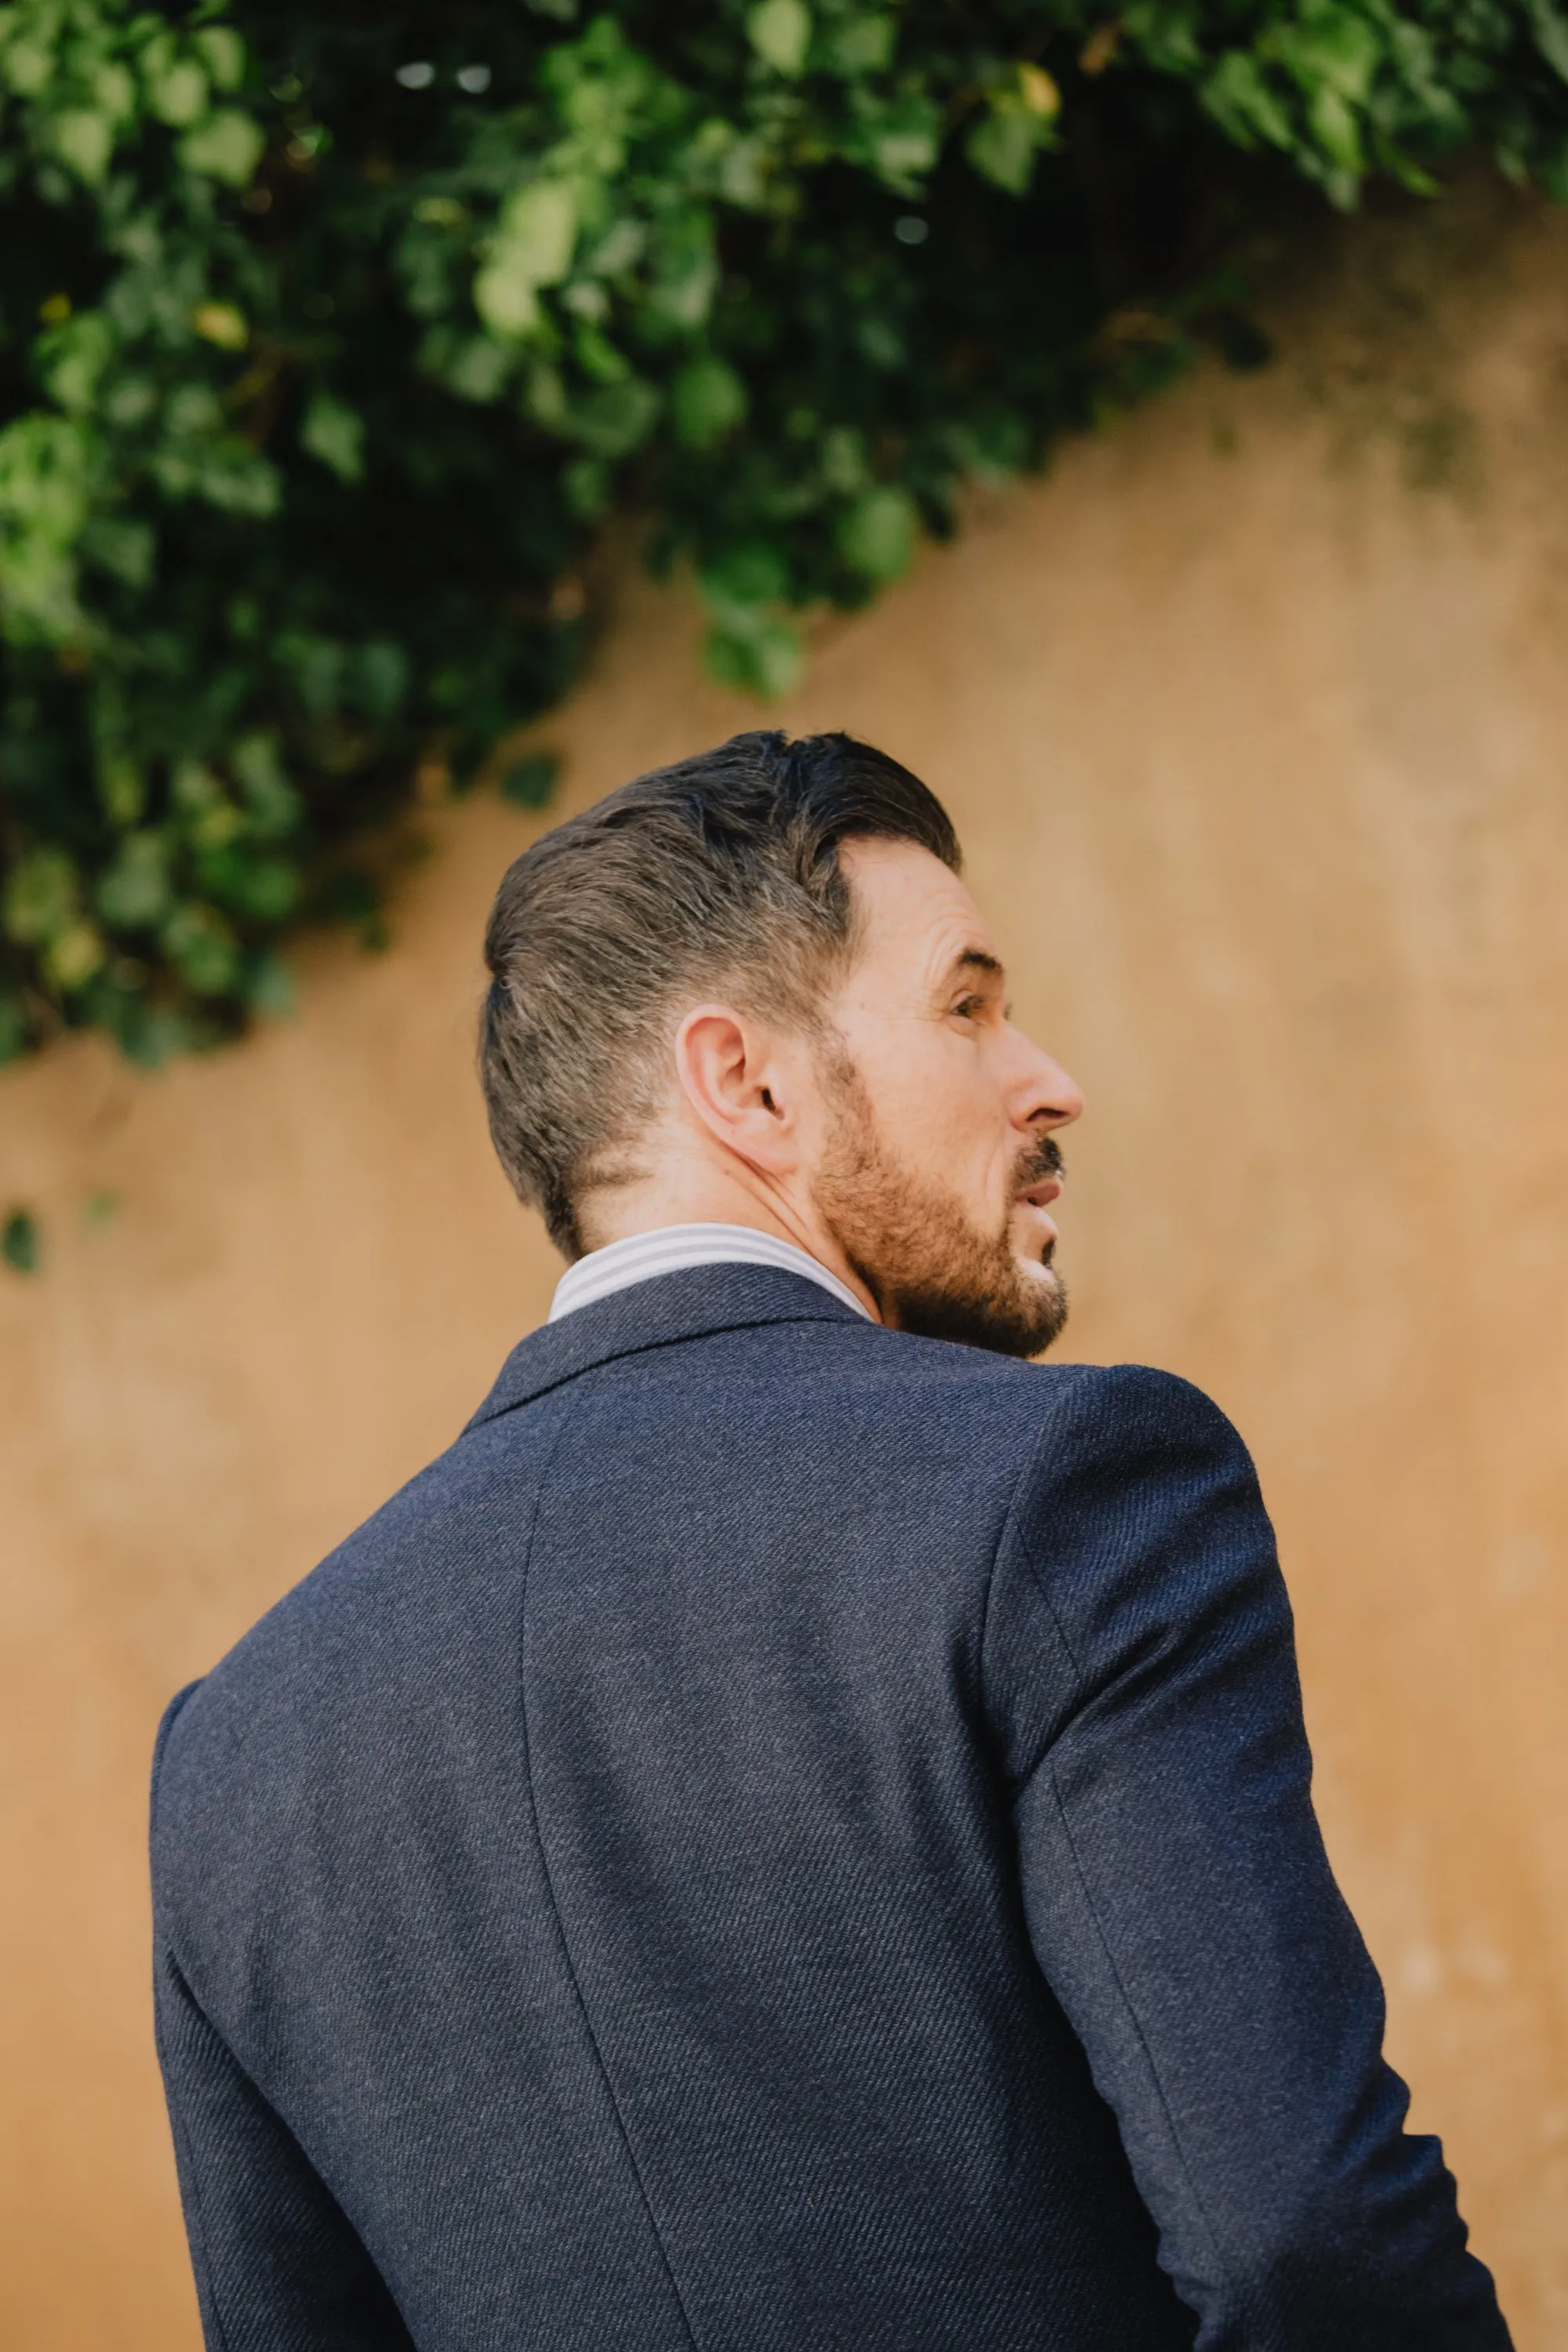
(332, 337)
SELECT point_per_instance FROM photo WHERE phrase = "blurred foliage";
(19, 1241)
(330, 335)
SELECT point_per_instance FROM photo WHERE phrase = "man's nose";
(1045, 1095)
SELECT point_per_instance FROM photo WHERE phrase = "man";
(795, 1835)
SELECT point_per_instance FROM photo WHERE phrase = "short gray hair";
(719, 874)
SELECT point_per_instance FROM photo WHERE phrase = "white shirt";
(670, 1249)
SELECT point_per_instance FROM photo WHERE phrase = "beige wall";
(1255, 718)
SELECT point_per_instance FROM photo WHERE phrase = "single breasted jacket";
(786, 1838)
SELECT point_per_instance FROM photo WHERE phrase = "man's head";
(752, 988)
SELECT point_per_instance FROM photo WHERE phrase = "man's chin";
(1044, 1308)
(1021, 1323)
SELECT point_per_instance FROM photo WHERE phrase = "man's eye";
(968, 1006)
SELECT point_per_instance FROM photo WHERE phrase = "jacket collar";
(657, 1314)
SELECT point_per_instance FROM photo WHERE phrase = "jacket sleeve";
(278, 2267)
(1140, 1669)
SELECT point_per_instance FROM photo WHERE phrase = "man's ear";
(732, 1076)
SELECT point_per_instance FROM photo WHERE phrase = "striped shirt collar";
(671, 1249)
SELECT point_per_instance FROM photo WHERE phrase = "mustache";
(1040, 1159)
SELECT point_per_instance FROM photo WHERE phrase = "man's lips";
(1037, 1198)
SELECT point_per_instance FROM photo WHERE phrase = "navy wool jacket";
(787, 1838)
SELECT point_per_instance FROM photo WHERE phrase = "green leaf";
(1334, 123)
(750, 646)
(380, 677)
(270, 988)
(84, 141)
(71, 360)
(333, 432)
(1023, 105)
(530, 781)
(133, 892)
(121, 782)
(227, 146)
(846, 461)
(741, 579)
(151, 1035)
(1003, 146)
(114, 92)
(193, 789)
(222, 52)
(478, 369)
(532, 247)
(221, 323)
(1337, 48)
(768, 660)
(586, 481)
(119, 544)
(274, 807)
(685, 275)
(194, 411)
(315, 665)
(1242, 103)
(46, 470)
(178, 94)
(21, 1245)
(901, 141)
(864, 46)
(1551, 29)
(14, 1028)
(707, 399)
(28, 59)
(616, 419)
(71, 957)
(780, 32)
(877, 536)
(745, 174)
(237, 481)
(265, 889)
(881, 342)
(201, 946)
(40, 896)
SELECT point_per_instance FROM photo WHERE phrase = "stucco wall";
(1255, 719)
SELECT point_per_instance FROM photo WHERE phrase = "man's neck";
(648, 1208)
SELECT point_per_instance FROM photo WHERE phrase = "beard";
(930, 1265)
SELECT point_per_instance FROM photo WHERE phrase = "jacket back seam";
(555, 1912)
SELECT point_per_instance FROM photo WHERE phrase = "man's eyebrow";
(977, 960)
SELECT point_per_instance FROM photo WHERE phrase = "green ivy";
(330, 338)
(20, 1247)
